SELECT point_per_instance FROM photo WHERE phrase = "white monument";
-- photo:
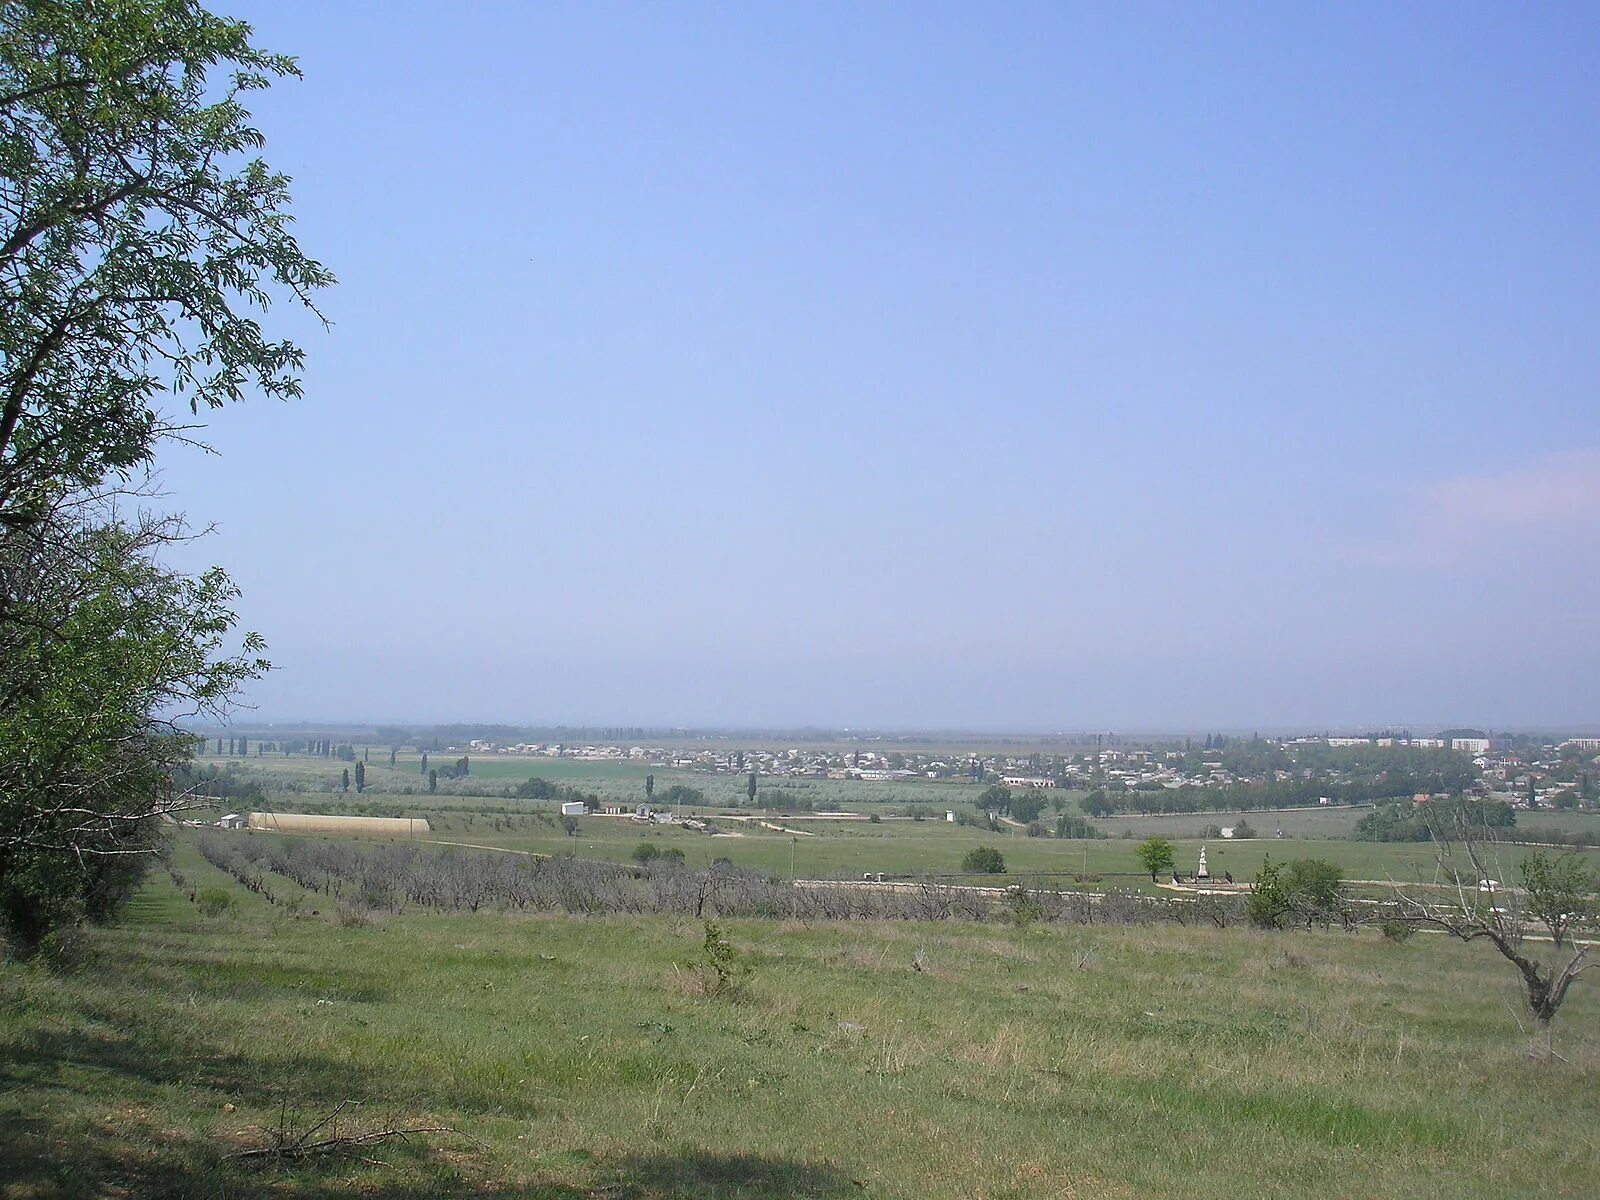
(1202, 873)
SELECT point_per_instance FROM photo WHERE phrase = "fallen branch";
(295, 1148)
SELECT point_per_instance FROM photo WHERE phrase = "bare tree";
(1531, 925)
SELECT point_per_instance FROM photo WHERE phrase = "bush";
(984, 860)
(1395, 930)
(725, 968)
(1307, 890)
(644, 852)
(215, 902)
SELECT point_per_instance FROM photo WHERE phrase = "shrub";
(1395, 930)
(1307, 890)
(984, 860)
(725, 968)
(1025, 910)
(214, 901)
(644, 852)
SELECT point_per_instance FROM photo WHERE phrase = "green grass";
(584, 1062)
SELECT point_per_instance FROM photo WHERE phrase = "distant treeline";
(1409, 822)
(1287, 793)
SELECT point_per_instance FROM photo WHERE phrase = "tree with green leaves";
(103, 651)
(433, 781)
(1157, 856)
(750, 788)
(139, 233)
(140, 239)
(361, 777)
(1027, 805)
(1096, 804)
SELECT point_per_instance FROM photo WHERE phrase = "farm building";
(233, 821)
(573, 808)
(317, 823)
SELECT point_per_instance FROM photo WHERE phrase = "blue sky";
(1031, 366)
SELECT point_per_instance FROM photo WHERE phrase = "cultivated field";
(582, 1057)
(823, 849)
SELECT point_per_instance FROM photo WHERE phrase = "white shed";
(233, 821)
(573, 808)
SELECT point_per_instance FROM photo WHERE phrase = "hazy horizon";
(1154, 367)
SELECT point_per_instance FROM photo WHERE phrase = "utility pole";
(793, 842)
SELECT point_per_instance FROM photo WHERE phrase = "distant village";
(1522, 773)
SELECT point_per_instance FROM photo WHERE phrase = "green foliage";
(984, 860)
(726, 969)
(1069, 825)
(1269, 898)
(682, 796)
(1410, 822)
(1024, 909)
(97, 642)
(1156, 855)
(1396, 930)
(1026, 806)
(782, 800)
(138, 240)
(1560, 891)
(996, 798)
(535, 788)
(646, 852)
(138, 236)
(215, 901)
(1097, 804)
(1307, 891)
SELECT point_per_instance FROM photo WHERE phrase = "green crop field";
(583, 1057)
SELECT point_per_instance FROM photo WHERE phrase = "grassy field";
(584, 1059)
(823, 849)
